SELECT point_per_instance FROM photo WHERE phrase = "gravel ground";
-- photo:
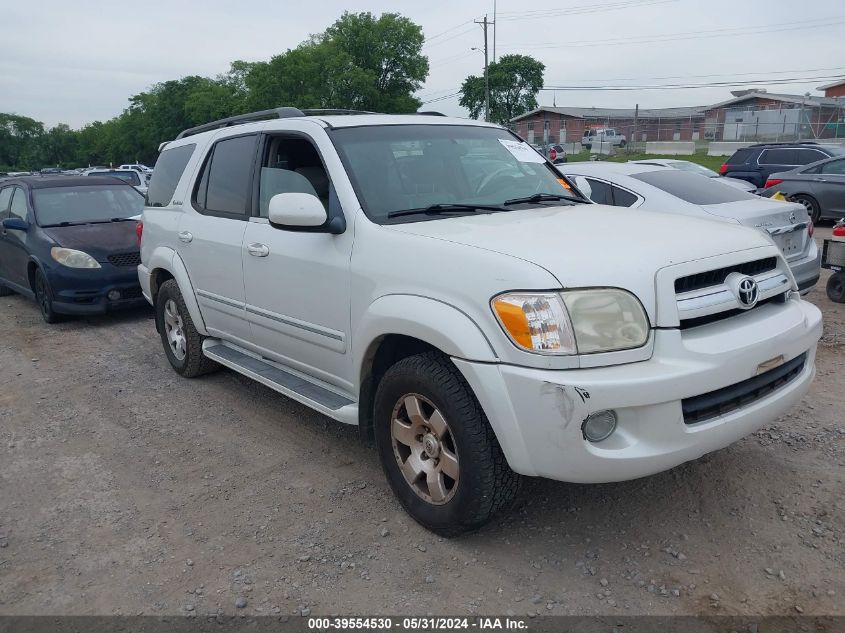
(125, 489)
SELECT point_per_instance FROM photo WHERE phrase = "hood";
(595, 245)
(98, 240)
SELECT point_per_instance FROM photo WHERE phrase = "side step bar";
(285, 382)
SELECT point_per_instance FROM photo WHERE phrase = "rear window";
(740, 156)
(693, 188)
(166, 174)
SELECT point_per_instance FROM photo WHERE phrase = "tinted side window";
(5, 199)
(622, 198)
(833, 167)
(807, 156)
(778, 157)
(168, 170)
(228, 175)
(740, 157)
(600, 191)
(18, 208)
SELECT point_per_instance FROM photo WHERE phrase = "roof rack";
(430, 113)
(786, 143)
(274, 113)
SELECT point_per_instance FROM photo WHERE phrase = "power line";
(579, 10)
(648, 39)
(712, 84)
(776, 72)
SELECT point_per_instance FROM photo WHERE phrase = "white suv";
(435, 282)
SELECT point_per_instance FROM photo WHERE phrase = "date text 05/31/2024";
(413, 624)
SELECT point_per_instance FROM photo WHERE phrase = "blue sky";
(77, 62)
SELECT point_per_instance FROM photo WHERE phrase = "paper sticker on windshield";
(522, 151)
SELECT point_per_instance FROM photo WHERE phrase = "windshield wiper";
(50, 226)
(542, 197)
(448, 207)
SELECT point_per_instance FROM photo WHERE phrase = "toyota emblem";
(747, 292)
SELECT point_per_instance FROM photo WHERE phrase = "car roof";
(48, 182)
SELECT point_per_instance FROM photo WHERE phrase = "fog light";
(599, 425)
(114, 295)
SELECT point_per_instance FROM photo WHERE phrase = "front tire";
(44, 298)
(812, 206)
(437, 449)
(836, 288)
(182, 343)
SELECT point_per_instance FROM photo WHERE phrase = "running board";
(283, 381)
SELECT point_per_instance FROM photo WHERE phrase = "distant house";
(749, 115)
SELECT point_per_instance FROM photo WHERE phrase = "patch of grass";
(621, 156)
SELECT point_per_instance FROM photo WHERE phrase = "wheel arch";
(398, 326)
(165, 264)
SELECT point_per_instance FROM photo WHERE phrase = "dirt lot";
(126, 489)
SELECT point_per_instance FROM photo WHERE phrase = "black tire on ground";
(836, 287)
(485, 484)
(622, 143)
(809, 203)
(5, 292)
(44, 299)
(194, 363)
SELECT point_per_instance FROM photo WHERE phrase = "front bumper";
(537, 414)
(86, 291)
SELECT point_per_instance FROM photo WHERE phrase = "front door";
(297, 282)
(210, 236)
(13, 243)
(828, 187)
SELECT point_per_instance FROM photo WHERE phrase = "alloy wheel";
(424, 448)
(174, 329)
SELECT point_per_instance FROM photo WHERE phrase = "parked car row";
(440, 284)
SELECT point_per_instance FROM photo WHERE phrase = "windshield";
(84, 204)
(403, 167)
(694, 168)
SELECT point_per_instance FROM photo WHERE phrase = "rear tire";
(622, 143)
(437, 449)
(182, 343)
(809, 203)
(44, 298)
(836, 287)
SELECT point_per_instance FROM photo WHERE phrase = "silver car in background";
(670, 190)
(819, 187)
(695, 168)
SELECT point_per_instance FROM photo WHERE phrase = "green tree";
(514, 80)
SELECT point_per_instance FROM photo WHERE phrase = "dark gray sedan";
(819, 186)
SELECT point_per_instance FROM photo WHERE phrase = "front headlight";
(572, 322)
(72, 258)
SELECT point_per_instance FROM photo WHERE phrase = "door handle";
(185, 236)
(258, 250)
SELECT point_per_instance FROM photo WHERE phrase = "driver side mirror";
(15, 224)
(297, 210)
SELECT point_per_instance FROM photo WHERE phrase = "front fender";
(439, 324)
(163, 258)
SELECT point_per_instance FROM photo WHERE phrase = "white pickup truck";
(435, 282)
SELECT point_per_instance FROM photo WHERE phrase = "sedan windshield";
(397, 169)
(86, 204)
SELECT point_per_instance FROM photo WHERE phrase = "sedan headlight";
(72, 258)
(573, 322)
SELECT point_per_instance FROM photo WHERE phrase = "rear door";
(210, 237)
(828, 187)
(774, 160)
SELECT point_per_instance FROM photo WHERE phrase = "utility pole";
(484, 24)
(636, 121)
(494, 31)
